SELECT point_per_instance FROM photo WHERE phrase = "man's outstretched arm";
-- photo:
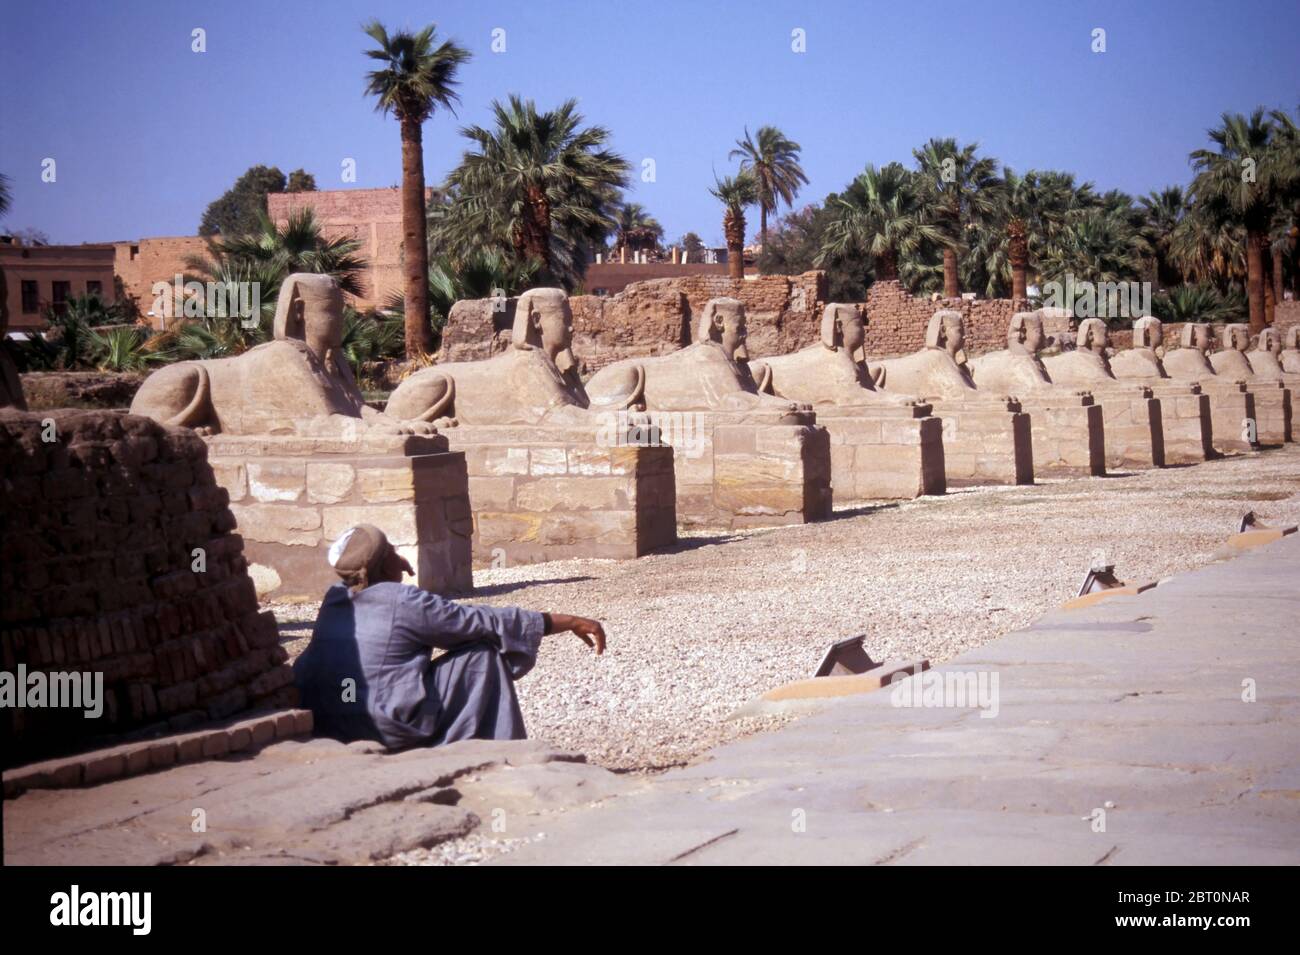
(589, 631)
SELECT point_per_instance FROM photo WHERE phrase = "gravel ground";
(696, 632)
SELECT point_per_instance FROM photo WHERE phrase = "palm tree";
(1238, 183)
(636, 228)
(735, 193)
(1099, 245)
(1163, 211)
(417, 75)
(958, 192)
(879, 215)
(274, 253)
(1028, 215)
(537, 185)
(774, 161)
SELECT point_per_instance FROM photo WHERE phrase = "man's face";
(1201, 339)
(1033, 336)
(555, 325)
(394, 566)
(853, 330)
(733, 333)
(954, 334)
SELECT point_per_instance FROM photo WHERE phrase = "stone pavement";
(1121, 736)
(295, 803)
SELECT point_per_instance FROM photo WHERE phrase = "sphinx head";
(543, 320)
(723, 322)
(1148, 332)
(843, 327)
(310, 309)
(1198, 335)
(1025, 333)
(1270, 341)
(1291, 340)
(947, 331)
(1093, 336)
(1236, 337)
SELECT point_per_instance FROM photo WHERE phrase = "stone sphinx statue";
(708, 375)
(831, 372)
(1291, 351)
(1191, 361)
(938, 370)
(534, 381)
(11, 386)
(1266, 357)
(297, 383)
(1017, 370)
(1145, 358)
(1231, 360)
(1088, 364)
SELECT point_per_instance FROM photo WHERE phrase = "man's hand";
(589, 631)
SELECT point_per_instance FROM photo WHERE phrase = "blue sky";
(146, 132)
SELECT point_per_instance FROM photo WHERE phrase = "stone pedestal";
(554, 494)
(986, 441)
(1135, 436)
(293, 496)
(748, 469)
(1186, 420)
(1069, 437)
(1272, 411)
(883, 452)
(1231, 407)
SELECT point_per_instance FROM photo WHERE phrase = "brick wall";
(897, 320)
(100, 528)
(371, 217)
(141, 264)
(654, 317)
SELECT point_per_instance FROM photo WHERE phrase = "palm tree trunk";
(1255, 279)
(887, 266)
(1269, 302)
(736, 260)
(415, 242)
(762, 226)
(951, 287)
(1278, 268)
(537, 229)
(1018, 253)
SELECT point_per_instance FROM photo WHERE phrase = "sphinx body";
(1231, 361)
(1134, 429)
(1272, 396)
(1185, 413)
(533, 382)
(1017, 370)
(1266, 357)
(986, 434)
(883, 446)
(298, 383)
(829, 372)
(1191, 361)
(1290, 357)
(1066, 423)
(708, 375)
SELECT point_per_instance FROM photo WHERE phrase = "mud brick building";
(119, 559)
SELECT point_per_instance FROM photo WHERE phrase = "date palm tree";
(1163, 211)
(735, 193)
(1237, 182)
(774, 161)
(958, 191)
(537, 184)
(1028, 215)
(417, 75)
(636, 228)
(880, 216)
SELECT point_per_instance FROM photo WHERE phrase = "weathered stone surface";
(303, 803)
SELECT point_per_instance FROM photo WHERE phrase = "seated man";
(367, 673)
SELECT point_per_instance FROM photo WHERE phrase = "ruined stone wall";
(652, 318)
(102, 525)
(898, 320)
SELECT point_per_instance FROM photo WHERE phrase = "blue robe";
(368, 672)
